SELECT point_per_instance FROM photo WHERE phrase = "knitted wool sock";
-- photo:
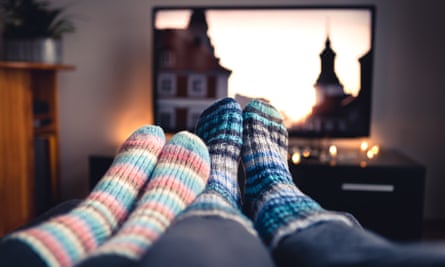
(64, 240)
(179, 176)
(220, 126)
(276, 205)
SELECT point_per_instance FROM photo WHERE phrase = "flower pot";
(42, 50)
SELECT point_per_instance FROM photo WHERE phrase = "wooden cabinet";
(28, 112)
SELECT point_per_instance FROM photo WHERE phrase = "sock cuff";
(15, 252)
(213, 204)
(243, 221)
(41, 250)
(300, 224)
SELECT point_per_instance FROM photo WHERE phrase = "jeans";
(214, 241)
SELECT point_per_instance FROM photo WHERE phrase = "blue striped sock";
(276, 205)
(220, 127)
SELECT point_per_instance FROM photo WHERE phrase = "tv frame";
(365, 132)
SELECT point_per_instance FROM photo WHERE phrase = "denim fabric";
(330, 244)
(214, 241)
(207, 241)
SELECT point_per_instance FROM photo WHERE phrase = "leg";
(336, 244)
(179, 176)
(298, 231)
(65, 239)
(213, 231)
(220, 127)
(276, 205)
(60, 209)
(202, 241)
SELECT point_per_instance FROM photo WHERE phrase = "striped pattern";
(181, 174)
(66, 239)
(220, 126)
(275, 204)
(264, 151)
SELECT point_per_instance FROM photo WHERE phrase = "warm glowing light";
(364, 146)
(296, 157)
(370, 154)
(363, 164)
(126, 121)
(306, 153)
(375, 149)
(333, 150)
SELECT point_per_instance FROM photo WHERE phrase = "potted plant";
(32, 30)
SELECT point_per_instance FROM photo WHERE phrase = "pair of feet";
(257, 136)
(148, 184)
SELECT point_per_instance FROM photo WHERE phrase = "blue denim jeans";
(217, 242)
(336, 244)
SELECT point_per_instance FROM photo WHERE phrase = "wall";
(109, 94)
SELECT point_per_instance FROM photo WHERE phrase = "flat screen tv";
(313, 63)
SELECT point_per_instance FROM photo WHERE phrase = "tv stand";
(385, 193)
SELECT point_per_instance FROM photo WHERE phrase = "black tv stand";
(385, 194)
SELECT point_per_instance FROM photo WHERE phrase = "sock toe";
(220, 121)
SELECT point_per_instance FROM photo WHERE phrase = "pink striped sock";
(180, 175)
(66, 239)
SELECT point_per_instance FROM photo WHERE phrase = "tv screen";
(314, 64)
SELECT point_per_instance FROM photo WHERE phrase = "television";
(313, 63)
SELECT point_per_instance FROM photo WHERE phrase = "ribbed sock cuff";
(312, 219)
(212, 204)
